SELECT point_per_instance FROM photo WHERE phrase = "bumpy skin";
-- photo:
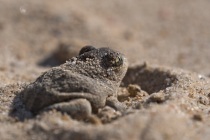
(83, 81)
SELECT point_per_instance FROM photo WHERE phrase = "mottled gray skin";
(81, 85)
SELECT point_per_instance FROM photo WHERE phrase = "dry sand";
(169, 95)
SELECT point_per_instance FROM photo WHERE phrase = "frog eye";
(113, 60)
(86, 49)
(118, 61)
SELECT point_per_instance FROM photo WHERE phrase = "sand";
(167, 84)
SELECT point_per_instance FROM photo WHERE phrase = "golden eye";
(113, 60)
(118, 61)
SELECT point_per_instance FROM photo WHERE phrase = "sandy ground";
(171, 36)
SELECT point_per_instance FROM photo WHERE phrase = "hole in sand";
(149, 79)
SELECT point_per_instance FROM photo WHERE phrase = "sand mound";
(176, 106)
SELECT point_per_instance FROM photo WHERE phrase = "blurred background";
(35, 35)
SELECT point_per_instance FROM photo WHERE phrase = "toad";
(80, 86)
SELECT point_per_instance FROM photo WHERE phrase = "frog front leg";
(113, 102)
